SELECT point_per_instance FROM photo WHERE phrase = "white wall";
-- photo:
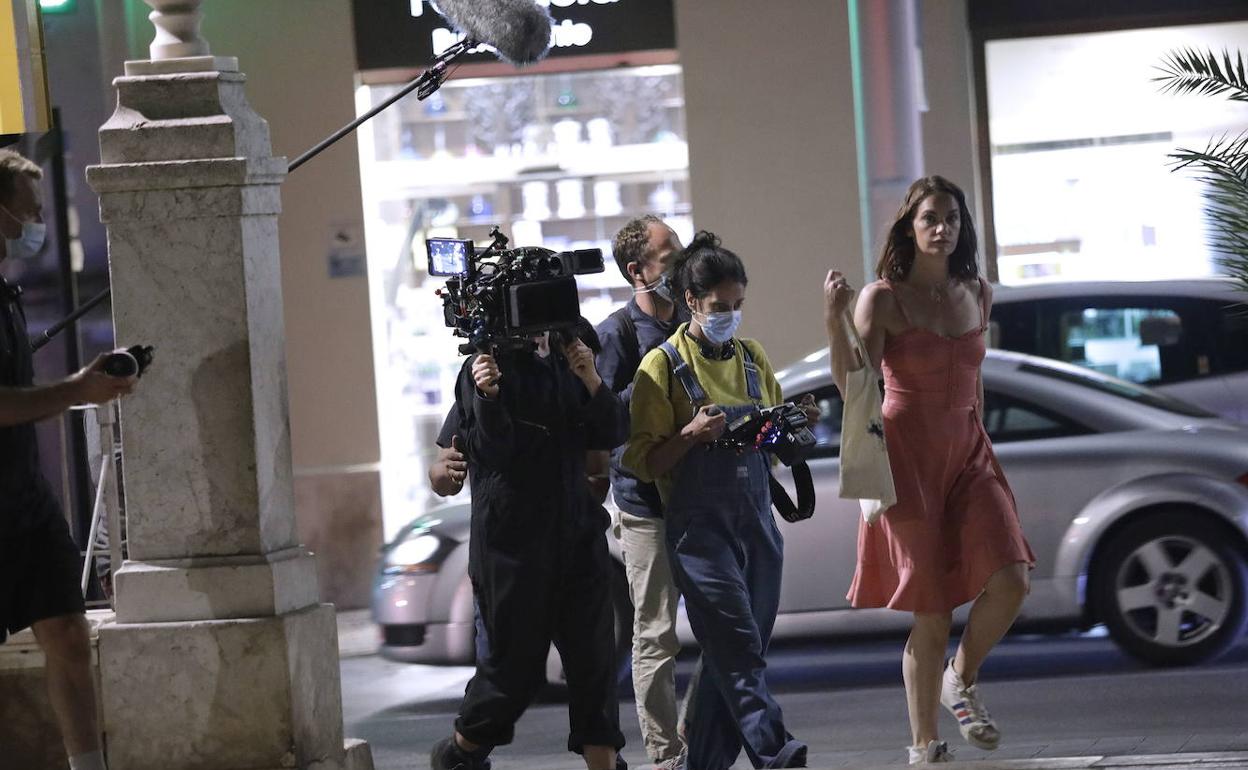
(773, 168)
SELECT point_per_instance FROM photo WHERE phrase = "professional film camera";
(500, 298)
(781, 430)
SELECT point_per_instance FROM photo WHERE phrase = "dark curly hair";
(898, 255)
(631, 242)
(705, 264)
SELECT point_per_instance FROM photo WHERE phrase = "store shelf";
(590, 216)
(445, 176)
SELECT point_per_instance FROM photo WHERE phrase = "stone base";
(217, 695)
(216, 588)
(147, 67)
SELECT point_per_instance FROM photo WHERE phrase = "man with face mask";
(39, 562)
(644, 249)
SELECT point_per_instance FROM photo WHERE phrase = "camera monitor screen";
(448, 256)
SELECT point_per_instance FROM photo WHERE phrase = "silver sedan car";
(1135, 504)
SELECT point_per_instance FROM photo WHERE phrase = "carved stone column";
(222, 655)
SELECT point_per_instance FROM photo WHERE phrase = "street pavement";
(1072, 701)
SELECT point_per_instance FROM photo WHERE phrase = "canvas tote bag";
(866, 475)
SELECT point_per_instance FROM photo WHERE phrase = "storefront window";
(557, 160)
(1082, 188)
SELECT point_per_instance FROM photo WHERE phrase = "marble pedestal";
(222, 656)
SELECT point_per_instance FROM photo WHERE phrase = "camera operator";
(644, 250)
(39, 562)
(537, 556)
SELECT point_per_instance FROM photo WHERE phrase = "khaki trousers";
(653, 592)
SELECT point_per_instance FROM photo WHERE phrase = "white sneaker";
(963, 702)
(933, 752)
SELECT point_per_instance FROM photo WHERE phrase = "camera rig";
(499, 298)
(781, 430)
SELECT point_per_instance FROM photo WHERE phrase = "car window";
(1011, 419)
(1132, 343)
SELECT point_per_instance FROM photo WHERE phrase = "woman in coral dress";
(954, 535)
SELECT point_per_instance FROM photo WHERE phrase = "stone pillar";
(222, 655)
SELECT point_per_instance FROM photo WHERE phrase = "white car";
(1185, 338)
(1136, 505)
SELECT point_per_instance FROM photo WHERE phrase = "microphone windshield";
(518, 29)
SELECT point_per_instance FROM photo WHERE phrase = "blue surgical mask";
(29, 243)
(719, 327)
(662, 288)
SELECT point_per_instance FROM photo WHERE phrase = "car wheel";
(1171, 590)
(622, 608)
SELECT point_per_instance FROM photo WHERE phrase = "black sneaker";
(447, 755)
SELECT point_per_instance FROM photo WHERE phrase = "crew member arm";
(597, 464)
(604, 417)
(19, 406)
(489, 434)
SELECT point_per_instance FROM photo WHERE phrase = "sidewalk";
(358, 637)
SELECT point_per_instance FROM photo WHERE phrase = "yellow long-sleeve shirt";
(660, 408)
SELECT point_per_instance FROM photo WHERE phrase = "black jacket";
(526, 451)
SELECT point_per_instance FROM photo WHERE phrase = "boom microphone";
(518, 29)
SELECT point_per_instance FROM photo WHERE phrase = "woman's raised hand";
(837, 294)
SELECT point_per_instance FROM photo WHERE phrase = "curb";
(1225, 760)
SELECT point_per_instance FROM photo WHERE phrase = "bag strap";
(683, 372)
(805, 506)
(855, 341)
(628, 334)
(753, 382)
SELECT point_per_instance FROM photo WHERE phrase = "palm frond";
(1186, 71)
(1223, 168)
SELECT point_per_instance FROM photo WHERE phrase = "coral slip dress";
(955, 522)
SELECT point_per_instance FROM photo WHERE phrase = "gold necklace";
(937, 291)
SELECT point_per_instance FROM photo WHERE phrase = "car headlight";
(415, 553)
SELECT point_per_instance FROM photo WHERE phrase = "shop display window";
(557, 160)
(1082, 188)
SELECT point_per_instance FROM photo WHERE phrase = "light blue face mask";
(29, 243)
(662, 288)
(719, 327)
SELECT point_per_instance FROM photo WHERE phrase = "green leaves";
(1186, 71)
(1223, 164)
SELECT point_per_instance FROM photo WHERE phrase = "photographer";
(39, 562)
(723, 544)
(537, 556)
(644, 250)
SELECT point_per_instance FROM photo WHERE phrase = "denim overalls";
(727, 556)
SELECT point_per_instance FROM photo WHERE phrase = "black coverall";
(537, 555)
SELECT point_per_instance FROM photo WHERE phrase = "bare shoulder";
(877, 303)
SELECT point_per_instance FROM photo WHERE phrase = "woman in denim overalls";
(725, 549)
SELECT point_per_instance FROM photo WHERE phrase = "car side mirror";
(1161, 330)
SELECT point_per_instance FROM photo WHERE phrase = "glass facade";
(556, 160)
